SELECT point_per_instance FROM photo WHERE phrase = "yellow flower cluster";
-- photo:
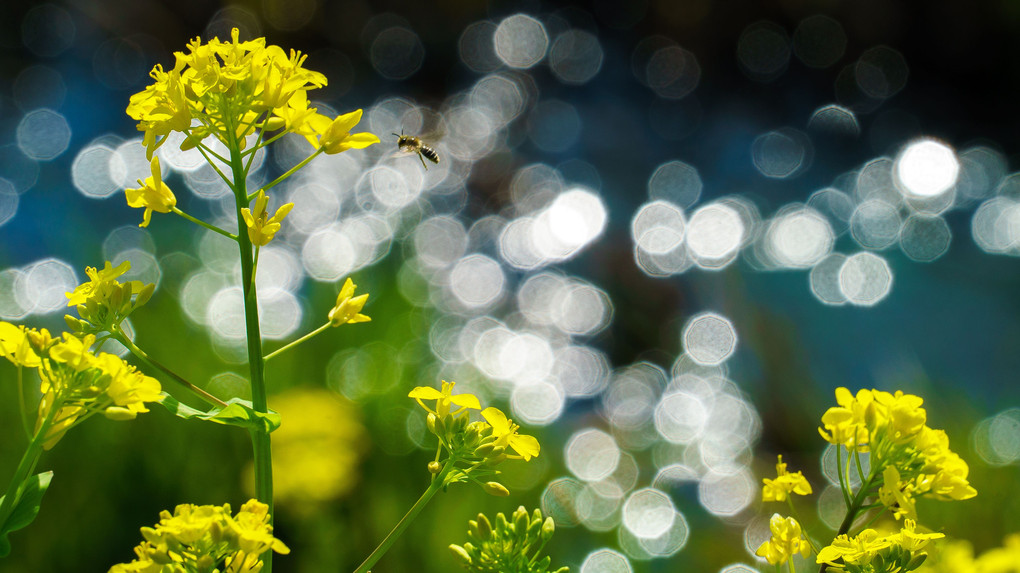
(915, 460)
(103, 302)
(479, 446)
(230, 89)
(75, 381)
(870, 551)
(787, 540)
(958, 557)
(785, 483)
(261, 227)
(206, 538)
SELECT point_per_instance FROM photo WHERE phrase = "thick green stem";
(405, 521)
(852, 511)
(282, 349)
(259, 437)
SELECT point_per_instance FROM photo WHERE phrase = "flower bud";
(73, 323)
(548, 528)
(430, 421)
(460, 552)
(145, 294)
(495, 488)
(521, 521)
(484, 527)
(435, 467)
(119, 413)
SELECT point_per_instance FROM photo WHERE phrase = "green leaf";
(238, 412)
(27, 507)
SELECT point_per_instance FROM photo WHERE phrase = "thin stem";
(843, 486)
(283, 177)
(205, 151)
(405, 521)
(852, 511)
(21, 404)
(796, 515)
(266, 142)
(119, 335)
(202, 223)
(290, 345)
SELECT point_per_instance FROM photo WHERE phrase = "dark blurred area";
(728, 209)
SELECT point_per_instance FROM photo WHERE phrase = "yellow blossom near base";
(347, 309)
(206, 538)
(444, 399)
(870, 547)
(153, 194)
(785, 483)
(786, 541)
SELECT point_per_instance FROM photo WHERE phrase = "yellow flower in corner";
(785, 483)
(786, 541)
(853, 550)
(336, 136)
(153, 194)
(348, 307)
(261, 229)
(505, 432)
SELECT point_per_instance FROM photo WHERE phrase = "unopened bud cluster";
(508, 546)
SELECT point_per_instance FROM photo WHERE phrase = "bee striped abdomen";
(430, 153)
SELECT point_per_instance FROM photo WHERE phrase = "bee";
(414, 144)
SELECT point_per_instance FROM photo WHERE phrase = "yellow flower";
(505, 432)
(786, 541)
(859, 549)
(909, 539)
(897, 495)
(128, 388)
(161, 108)
(904, 415)
(336, 136)
(99, 282)
(153, 194)
(16, 346)
(348, 307)
(255, 535)
(260, 229)
(444, 399)
(785, 483)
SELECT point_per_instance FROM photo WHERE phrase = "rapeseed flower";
(336, 136)
(444, 399)
(785, 483)
(347, 309)
(261, 229)
(153, 195)
(787, 540)
(505, 432)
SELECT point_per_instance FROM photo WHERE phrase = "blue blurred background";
(661, 234)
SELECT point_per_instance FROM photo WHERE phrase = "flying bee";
(414, 144)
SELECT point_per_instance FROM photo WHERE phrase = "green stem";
(141, 355)
(283, 177)
(26, 466)
(261, 444)
(290, 345)
(851, 513)
(21, 404)
(202, 223)
(405, 521)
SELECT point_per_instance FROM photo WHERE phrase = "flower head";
(153, 194)
(347, 309)
(505, 432)
(785, 483)
(786, 541)
(336, 136)
(444, 399)
(261, 229)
